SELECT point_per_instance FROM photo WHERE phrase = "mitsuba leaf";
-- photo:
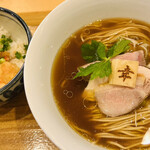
(90, 52)
(101, 51)
(120, 47)
(96, 51)
(103, 70)
(98, 69)
(98, 72)
(108, 69)
(86, 71)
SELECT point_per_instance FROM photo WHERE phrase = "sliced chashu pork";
(118, 100)
(135, 56)
(93, 84)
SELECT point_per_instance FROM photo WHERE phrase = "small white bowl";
(67, 18)
(18, 29)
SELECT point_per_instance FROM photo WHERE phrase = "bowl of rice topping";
(14, 40)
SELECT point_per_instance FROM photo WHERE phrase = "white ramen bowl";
(67, 18)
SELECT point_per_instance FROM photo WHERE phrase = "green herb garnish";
(26, 47)
(120, 47)
(2, 60)
(24, 56)
(5, 43)
(97, 51)
(89, 51)
(18, 55)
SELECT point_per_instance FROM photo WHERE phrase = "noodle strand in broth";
(122, 132)
(130, 126)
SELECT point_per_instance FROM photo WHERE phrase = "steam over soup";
(101, 83)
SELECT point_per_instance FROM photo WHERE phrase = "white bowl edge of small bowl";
(64, 20)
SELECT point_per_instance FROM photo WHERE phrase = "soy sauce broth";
(68, 92)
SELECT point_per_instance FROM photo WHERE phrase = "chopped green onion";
(26, 47)
(18, 55)
(2, 60)
(5, 43)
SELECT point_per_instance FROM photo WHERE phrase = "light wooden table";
(24, 6)
(18, 128)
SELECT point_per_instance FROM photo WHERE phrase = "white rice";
(15, 46)
(3, 32)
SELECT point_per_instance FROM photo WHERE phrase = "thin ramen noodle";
(83, 115)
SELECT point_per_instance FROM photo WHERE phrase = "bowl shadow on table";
(17, 105)
(19, 126)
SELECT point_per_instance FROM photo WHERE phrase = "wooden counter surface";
(18, 128)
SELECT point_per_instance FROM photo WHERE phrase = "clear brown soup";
(68, 92)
